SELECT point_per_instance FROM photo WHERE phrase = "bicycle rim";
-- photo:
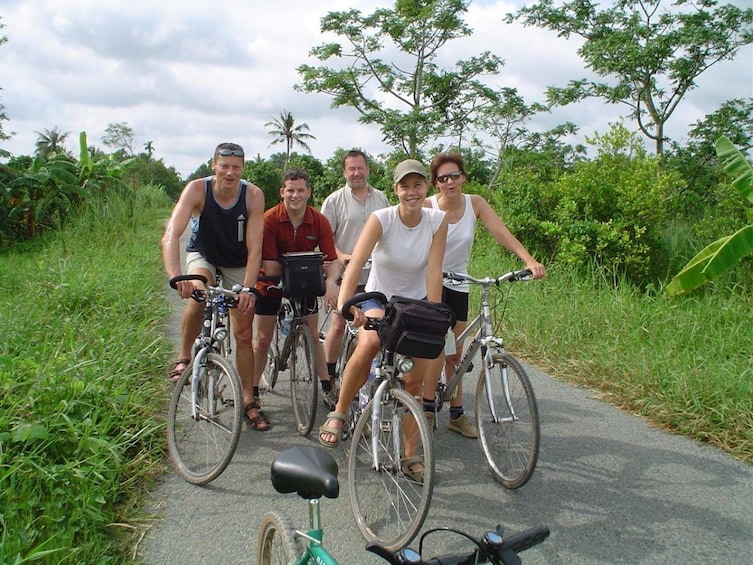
(511, 442)
(201, 448)
(388, 505)
(277, 544)
(303, 379)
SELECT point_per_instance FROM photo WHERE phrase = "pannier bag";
(415, 327)
(303, 274)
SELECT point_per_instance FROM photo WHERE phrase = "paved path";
(611, 488)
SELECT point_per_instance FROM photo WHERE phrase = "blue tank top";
(220, 235)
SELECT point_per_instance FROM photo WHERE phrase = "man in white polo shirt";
(347, 210)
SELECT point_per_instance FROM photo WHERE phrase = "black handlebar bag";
(303, 274)
(415, 327)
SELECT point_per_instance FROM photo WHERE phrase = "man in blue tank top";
(227, 215)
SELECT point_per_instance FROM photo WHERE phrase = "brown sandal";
(175, 375)
(260, 422)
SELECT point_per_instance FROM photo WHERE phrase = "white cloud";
(188, 74)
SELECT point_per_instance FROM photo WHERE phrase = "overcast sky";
(188, 74)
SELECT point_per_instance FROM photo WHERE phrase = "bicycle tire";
(277, 544)
(389, 507)
(349, 346)
(202, 448)
(510, 445)
(303, 379)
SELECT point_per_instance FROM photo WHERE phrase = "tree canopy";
(654, 50)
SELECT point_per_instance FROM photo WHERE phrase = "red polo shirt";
(280, 237)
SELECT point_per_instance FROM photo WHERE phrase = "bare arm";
(434, 264)
(191, 202)
(254, 237)
(504, 236)
(371, 233)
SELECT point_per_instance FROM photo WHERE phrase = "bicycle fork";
(376, 428)
(488, 371)
(200, 361)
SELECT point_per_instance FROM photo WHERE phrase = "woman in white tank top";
(406, 244)
(448, 177)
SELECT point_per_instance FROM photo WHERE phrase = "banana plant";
(724, 253)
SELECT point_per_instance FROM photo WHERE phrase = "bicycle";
(292, 347)
(507, 415)
(312, 473)
(391, 437)
(206, 409)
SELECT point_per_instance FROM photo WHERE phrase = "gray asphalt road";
(611, 488)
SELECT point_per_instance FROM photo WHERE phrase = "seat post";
(314, 514)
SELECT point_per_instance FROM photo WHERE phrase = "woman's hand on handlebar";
(359, 319)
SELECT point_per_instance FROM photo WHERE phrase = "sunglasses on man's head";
(455, 175)
(230, 152)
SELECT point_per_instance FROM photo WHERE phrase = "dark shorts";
(458, 303)
(270, 305)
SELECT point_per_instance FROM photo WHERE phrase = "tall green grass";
(686, 364)
(81, 384)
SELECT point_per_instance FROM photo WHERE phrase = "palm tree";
(149, 148)
(285, 131)
(50, 142)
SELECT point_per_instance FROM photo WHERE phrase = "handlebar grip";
(527, 539)
(359, 298)
(195, 277)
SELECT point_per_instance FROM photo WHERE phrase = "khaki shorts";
(230, 275)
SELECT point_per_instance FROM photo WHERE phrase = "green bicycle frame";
(315, 552)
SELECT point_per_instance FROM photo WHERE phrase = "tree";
(51, 142)
(120, 136)
(423, 101)
(149, 148)
(287, 132)
(654, 54)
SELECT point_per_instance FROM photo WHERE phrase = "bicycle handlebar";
(235, 291)
(512, 276)
(359, 298)
(491, 548)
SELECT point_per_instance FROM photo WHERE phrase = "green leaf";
(26, 432)
(736, 165)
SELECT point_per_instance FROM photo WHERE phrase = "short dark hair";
(445, 157)
(295, 174)
(355, 153)
(227, 146)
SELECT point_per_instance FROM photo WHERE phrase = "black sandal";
(175, 375)
(260, 422)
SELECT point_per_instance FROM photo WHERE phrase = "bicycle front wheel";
(201, 443)
(303, 379)
(277, 544)
(507, 419)
(388, 497)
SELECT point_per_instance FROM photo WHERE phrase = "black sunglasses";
(230, 152)
(455, 175)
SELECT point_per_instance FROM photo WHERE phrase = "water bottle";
(365, 392)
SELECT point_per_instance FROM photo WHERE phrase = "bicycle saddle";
(308, 471)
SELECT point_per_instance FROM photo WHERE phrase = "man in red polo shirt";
(293, 225)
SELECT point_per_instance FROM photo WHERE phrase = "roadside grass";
(81, 402)
(685, 364)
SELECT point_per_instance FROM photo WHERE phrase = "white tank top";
(400, 256)
(460, 237)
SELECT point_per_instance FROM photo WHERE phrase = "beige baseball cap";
(407, 167)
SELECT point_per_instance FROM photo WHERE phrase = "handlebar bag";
(415, 327)
(303, 274)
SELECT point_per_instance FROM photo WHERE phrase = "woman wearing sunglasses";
(462, 211)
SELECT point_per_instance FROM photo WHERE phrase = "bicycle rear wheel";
(390, 506)
(303, 379)
(201, 447)
(277, 544)
(508, 422)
